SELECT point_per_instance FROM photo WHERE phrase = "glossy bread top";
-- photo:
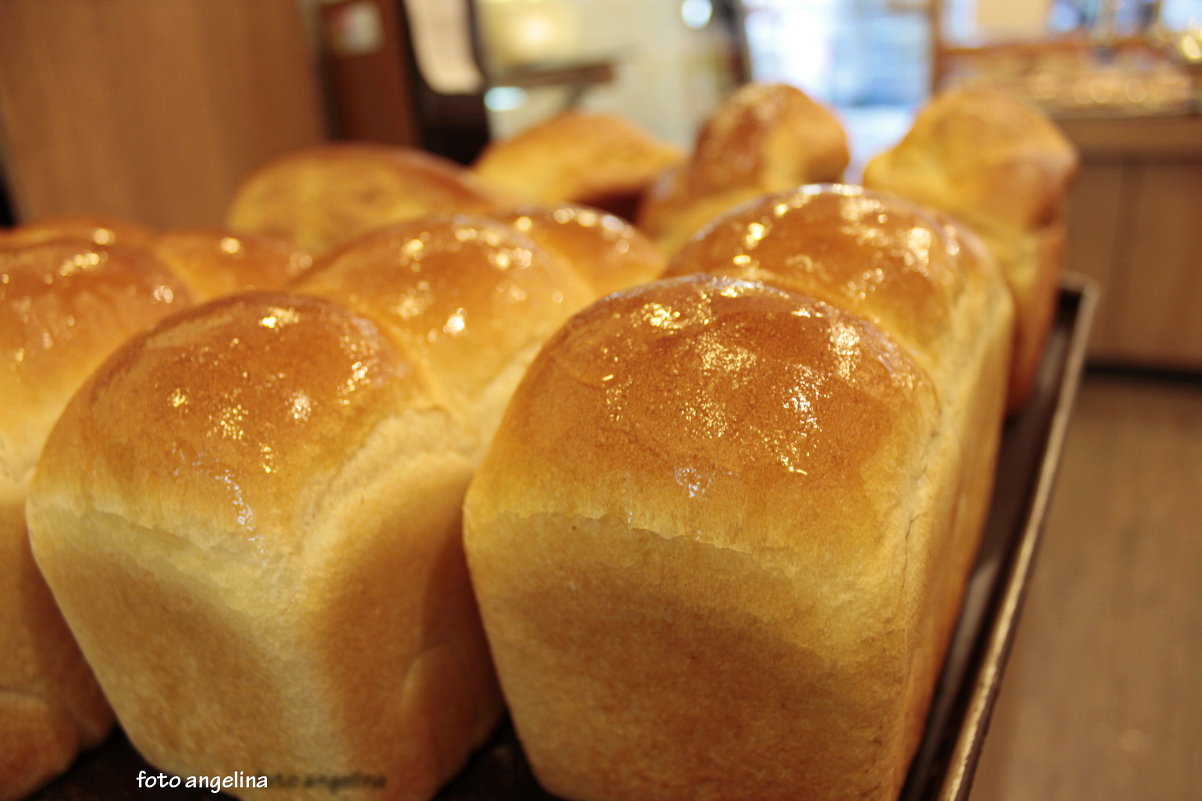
(700, 406)
(874, 254)
(605, 250)
(771, 135)
(64, 306)
(97, 230)
(323, 197)
(236, 406)
(464, 294)
(984, 155)
(216, 262)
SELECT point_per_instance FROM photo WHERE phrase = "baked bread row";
(250, 515)
(721, 537)
(412, 340)
(990, 160)
(71, 290)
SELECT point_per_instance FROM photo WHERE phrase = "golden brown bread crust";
(693, 532)
(606, 251)
(764, 138)
(470, 296)
(274, 582)
(589, 158)
(96, 230)
(66, 305)
(1003, 168)
(215, 262)
(320, 198)
(878, 255)
(932, 284)
(210, 262)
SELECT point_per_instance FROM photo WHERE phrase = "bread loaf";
(606, 251)
(79, 228)
(214, 262)
(64, 305)
(589, 158)
(326, 196)
(251, 515)
(764, 138)
(470, 296)
(720, 538)
(268, 578)
(1002, 167)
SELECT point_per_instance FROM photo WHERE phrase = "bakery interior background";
(153, 111)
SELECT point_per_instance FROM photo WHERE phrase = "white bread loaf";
(589, 158)
(211, 262)
(606, 251)
(78, 228)
(250, 519)
(720, 538)
(764, 138)
(1003, 168)
(470, 296)
(215, 262)
(251, 515)
(323, 197)
(64, 306)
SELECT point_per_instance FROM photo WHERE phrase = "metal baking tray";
(959, 717)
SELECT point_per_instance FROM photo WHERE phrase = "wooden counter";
(1135, 225)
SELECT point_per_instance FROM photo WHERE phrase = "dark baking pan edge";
(1032, 446)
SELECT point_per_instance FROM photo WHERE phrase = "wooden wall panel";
(1135, 225)
(1162, 298)
(1095, 211)
(149, 110)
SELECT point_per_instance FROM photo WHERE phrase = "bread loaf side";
(720, 539)
(1004, 169)
(64, 305)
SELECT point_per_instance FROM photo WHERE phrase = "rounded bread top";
(606, 251)
(216, 262)
(97, 230)
(875, 254)
(763, 138)
(722, 410)
(464, 294)
(768, 135)
(64, 306)
(322, 197)
(219, 419)
(984, 155)
(575, 157)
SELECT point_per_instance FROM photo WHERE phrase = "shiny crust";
(606, 251)
(590, 158)
(650, 540)
(859, 250)
(215, 262)
(96, 230)
(470, 296)
(698, 388)
(734, 523)
(281, 547)
(66, 304)
(320, 198)
(278, 533)
(1003, 168)
(981, 153)
(934, 286)
(764, 138)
